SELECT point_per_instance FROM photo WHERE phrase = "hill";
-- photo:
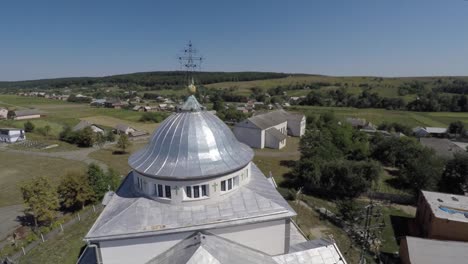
(156, 80)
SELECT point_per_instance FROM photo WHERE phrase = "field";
(19, 167)
(387, 87)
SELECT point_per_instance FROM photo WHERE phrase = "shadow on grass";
(288, 163)
(400, 226)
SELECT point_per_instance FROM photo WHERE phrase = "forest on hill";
(155, 80)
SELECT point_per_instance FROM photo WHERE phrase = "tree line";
(44, 199)
(340, 162)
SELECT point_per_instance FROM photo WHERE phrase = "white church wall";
(249, 135)
(268, 237)
(138, 250)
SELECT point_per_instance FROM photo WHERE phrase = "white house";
(83, 124)
(195, 196)
(12, 135)
(270, 129)
(25, 114)
(430, 131)
(3, 113)
(124, 129)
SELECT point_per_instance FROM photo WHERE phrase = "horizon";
(388, 39)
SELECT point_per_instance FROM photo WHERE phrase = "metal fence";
(44, 237)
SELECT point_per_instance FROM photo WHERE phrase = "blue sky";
(43, 39)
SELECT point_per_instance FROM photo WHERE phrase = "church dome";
(191, 144)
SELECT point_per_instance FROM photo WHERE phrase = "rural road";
(8, 215)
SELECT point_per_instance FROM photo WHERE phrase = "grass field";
(16, 168)
(118, 162)
(387, 87)
(64, 248)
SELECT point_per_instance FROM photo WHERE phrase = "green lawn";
(62, 249)
(16, 168)
(118, 162)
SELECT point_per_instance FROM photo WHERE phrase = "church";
(195, 196)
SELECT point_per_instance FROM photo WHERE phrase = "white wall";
(272, 142)
(27, 117)
(139, 250)
(268, 237)
(249, 134)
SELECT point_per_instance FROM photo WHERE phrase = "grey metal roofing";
(267, 120)
(206, 248)
(318, 251)
(276, 134)
(191, 145)
(26, 112)
(128, 214)
(430, 251)
(442, 146)
(83, 124)
(191, 104)
(122, 127)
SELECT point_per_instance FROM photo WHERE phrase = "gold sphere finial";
(192, 88)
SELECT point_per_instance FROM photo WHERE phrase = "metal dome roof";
(191, 145)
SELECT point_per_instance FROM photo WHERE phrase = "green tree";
(112, 179)
(97, 180)
(74, 191)
(85, 138)
(218, 105)
(110, 136)
(422, 172)
(29, 126)
(100, 139)
(348, 209)
(41, 199)
(47, 130)
(123, 143)
(456, 128)
(455, 175)
(68, 135)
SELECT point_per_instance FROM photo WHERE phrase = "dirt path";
(8, 215)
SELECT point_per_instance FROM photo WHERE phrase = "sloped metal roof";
(191, 145)
(129, 215)
(207, 248)
(431, 251)
(276, 134)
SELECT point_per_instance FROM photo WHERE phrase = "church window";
(229, 184)
(196, 191)
(163, 191)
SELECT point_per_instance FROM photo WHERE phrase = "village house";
(270, 129)
(98, 102)
(128, 130)
(25, 114)
(83, 124)
(142, 108)
(442, 147)
(414, 250)
(114, 103)
(430, 132)
(3, 113)
(442, 216)
(12, 135)
(360, 123)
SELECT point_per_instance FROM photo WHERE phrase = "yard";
(16, 167)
